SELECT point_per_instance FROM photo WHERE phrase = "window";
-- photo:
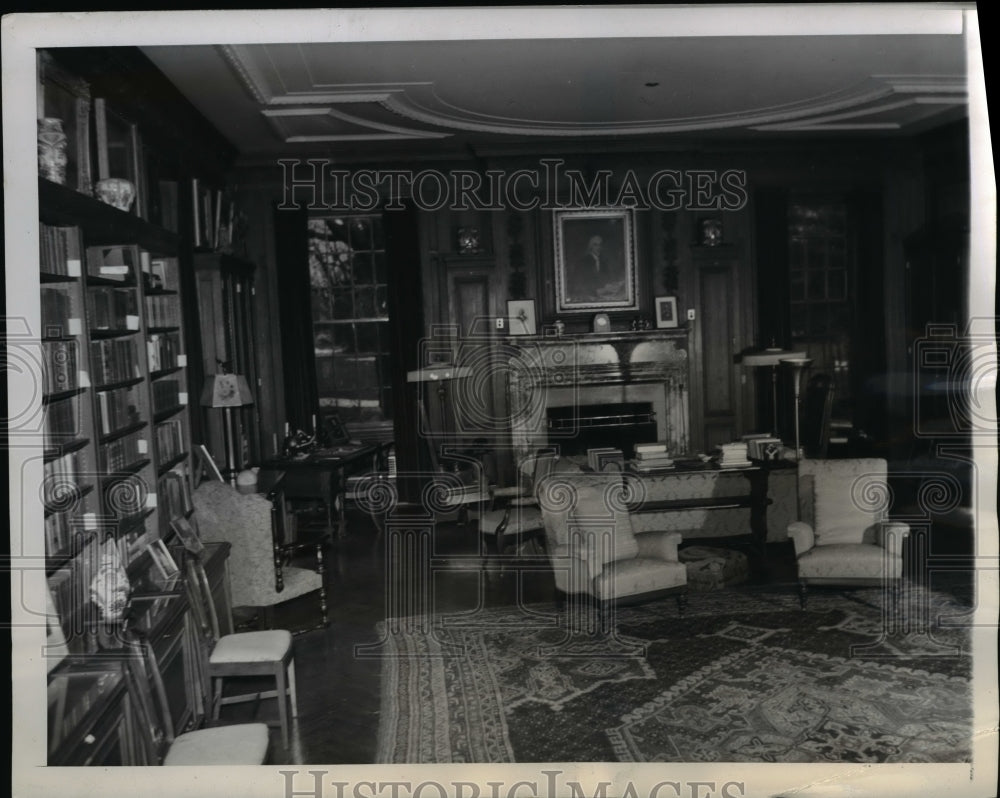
(350, 314)
(820, 271)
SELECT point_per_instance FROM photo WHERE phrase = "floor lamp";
(797, 365)
(771, 357)
(227, 391)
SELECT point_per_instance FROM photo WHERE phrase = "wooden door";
(720, 333)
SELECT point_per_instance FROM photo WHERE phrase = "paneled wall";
(465, 291)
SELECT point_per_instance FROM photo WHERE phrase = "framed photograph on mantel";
(594, 260)
(666, 311)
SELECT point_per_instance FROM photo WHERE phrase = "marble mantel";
(601, 368)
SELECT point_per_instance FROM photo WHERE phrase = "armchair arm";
(802, 536)
(891, 534)
(659, 545)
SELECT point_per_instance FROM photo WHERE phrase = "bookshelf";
(115, 392)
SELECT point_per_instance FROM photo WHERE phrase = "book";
(650, 448)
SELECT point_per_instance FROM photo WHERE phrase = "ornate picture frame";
(595, 260)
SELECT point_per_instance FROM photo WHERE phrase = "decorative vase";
(117, 192)
(52, 150)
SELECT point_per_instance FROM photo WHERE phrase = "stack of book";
(651, 457)
(734, 455)
(762, 447)
(605, 458)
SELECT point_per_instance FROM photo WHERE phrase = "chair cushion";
(846, 493)
(600, 526)
(849, 561)
(851, 533)
(267, 646)
(638, 575)
(240, 744)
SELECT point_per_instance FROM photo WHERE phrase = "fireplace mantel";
(575, 370)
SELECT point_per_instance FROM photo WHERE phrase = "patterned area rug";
(742, 676)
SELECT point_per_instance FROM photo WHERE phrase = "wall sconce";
(227, 391)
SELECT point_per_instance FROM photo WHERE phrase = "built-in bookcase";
(115, 387)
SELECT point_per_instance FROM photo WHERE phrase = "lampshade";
(226, 390)
(770, 357)
(438, 373)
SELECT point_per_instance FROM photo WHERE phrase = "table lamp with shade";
(227, 391)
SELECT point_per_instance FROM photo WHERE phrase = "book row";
(59, 250)
(169, 440)
(163, 310)
(162, 350)
(58, 316)
(166, 394)
(118, 409)
(113, 309)
(60, 366)
(59, 482)
(114, 360)
(123, 452)
(62, 419)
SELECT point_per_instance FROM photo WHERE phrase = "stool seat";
(267, 646)
(240, 744)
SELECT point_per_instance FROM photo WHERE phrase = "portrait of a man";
(594, 265)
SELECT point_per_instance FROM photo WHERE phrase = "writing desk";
(683, 497)
(330, 466)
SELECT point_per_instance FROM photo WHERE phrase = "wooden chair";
(243, 654)
(156, 744)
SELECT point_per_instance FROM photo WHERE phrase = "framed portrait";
(521, 316)
(666, 311)
(594, 260)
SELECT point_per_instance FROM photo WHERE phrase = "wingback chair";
(245, 522)
(592, 547)
(844, 537)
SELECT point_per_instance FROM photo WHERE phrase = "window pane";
(363, 271)
(343, 304)
(364, 303)
(368, 337)
(361, 233)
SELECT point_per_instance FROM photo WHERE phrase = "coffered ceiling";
(368, 99)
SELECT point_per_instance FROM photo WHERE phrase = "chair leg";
(291, 688)
(803, 594)
(321, 570)
(279, 676)
(682, 603)
(217, 699)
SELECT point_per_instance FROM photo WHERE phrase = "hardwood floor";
(339, 687)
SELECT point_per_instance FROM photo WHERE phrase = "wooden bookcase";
(116, 391)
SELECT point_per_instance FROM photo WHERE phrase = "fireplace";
(577, 428)
(576, 376)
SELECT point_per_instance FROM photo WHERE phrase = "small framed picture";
(186, 530)
(666, 311)
(164, 563)
(521, 316)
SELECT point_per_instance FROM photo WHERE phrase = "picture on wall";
(595, 263)
(666, 311)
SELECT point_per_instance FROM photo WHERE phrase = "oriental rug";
(740, 677)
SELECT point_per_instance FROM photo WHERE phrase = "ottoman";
(711, 568)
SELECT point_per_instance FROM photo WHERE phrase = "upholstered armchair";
(245, 522)
(844, 537)
(593, 549)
